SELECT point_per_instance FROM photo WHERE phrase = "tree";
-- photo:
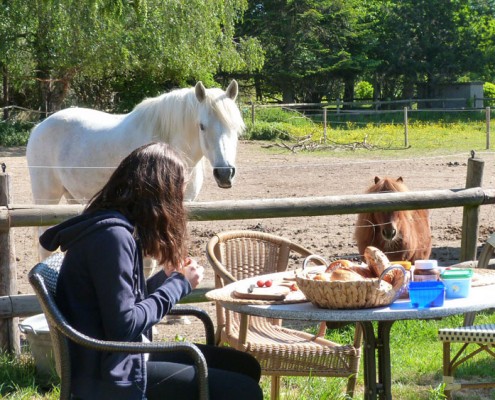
(311, 45)
(185, 41)
(15, 62)
(425, 41)
(87, 44)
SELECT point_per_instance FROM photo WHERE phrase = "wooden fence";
(324, 110)
(13, 306)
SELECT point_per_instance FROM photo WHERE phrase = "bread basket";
(367, 293)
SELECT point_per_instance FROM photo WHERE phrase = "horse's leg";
(46, 190)
(194, 182)
(150, 267)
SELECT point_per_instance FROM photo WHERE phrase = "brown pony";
(401, 235)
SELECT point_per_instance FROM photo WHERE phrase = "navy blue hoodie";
(102, 292)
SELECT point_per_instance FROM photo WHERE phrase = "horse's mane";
(415, 241)
(383, 185)
(388, 184)
(224, 109)
(177, 110)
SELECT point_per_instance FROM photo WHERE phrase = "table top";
(480, 298)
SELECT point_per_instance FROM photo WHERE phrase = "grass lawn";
(416, 355)
(381, 137)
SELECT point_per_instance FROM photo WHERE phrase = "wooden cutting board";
(262, 293)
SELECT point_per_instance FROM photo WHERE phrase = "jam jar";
(407, 278)
(426, 270)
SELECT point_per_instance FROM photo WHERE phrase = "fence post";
(406, 131)
(252, 113)
(470, 216)
(9, 332)
(325, 124)
(488, 116)
(338, 106)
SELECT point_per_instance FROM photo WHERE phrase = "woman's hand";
(193, 272)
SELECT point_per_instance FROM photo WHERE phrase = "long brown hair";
(148, 189)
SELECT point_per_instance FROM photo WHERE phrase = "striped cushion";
(466, 334)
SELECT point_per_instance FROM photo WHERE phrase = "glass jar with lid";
(426, 270)
(407, 278)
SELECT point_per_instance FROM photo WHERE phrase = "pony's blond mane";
(224, 108)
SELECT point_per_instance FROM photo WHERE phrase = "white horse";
(73, 152)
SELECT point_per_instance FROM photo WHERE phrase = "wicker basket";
(368, 293)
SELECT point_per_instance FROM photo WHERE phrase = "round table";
(376, 347)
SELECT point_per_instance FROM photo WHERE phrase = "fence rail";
(376, 104)
(24, 215)
(12, 216)
(327, 116)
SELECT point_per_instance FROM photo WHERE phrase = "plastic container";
(427, 294)
(457, 282)
(38, 336)
(426, 270)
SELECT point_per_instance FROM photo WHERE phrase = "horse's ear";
(399, 179)
(232, 90)
(200, 91)
(377, 179)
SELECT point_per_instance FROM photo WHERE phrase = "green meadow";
(416, 369)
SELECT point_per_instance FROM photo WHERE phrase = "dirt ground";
(278, 173)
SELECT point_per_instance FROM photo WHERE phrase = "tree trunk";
(5, 79)
(43, 78)
(258, 89)
(59, 89)
(377, 89)
(53, 91)
(348, 90)
(430, 91)
(408, 90)
(287, 95)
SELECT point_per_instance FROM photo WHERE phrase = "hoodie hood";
(68, 232)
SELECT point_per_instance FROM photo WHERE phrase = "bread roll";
(344, 274)
(322, 277)
(348, 265)
(365, 272)
(339, 264)
(395, 277)
(377, 261)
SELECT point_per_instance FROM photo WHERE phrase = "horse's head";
(401, 234)
(386, 224)
(219, 123)
(389, 224)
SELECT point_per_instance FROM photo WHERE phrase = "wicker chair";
(475, 339)
(281, 351)
(43, 277)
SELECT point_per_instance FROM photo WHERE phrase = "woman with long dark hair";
(103, 293)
